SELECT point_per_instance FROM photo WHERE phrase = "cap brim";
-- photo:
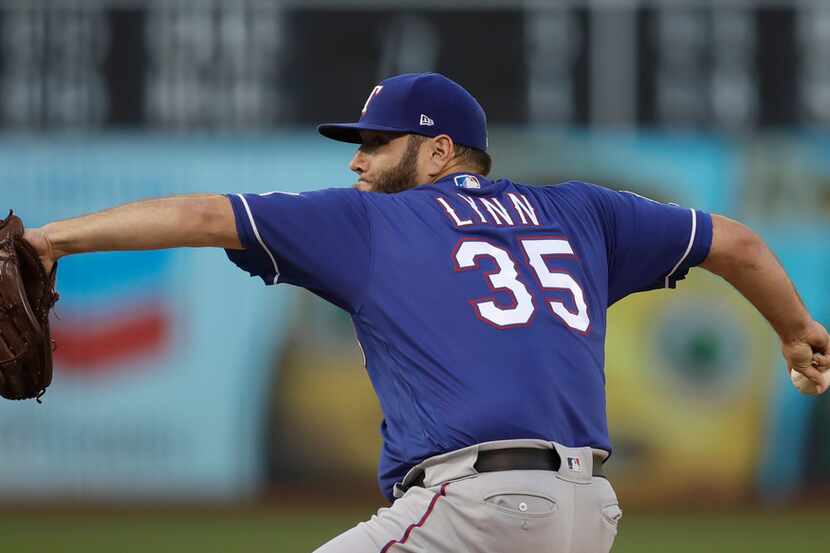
(350, 132)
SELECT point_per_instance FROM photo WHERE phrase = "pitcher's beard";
(403, 175)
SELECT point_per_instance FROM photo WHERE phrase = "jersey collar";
(470, 183)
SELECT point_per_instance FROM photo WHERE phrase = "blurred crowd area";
(731, 65)
(180, 379)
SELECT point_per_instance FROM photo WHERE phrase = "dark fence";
(252, 64)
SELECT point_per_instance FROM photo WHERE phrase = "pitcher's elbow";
(733, 245)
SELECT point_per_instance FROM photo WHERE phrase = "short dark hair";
(480, 161)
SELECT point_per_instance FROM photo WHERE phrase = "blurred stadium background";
(194, 409)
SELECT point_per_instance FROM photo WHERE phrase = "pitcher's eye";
(371, 144)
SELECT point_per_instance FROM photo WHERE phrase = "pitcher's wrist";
(52, 239)
(796, 332)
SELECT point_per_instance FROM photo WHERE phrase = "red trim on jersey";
(474, 303)
(420, 523)
(563, 291)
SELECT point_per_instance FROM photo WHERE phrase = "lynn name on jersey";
(491, 211)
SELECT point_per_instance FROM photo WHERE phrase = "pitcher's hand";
(807, 354)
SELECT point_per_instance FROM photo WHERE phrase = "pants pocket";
(604, 513)
(523, 504)
(611, 515)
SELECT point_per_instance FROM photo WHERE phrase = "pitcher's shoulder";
(565, 190)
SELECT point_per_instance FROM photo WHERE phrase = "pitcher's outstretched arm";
(180, 221)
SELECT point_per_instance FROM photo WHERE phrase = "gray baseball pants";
(459, 510)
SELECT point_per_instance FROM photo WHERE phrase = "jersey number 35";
(467, 256)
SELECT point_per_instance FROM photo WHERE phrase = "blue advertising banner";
(165, 383)
(162, 357)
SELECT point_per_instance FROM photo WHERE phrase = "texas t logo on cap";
(372, 94)
(428, 104)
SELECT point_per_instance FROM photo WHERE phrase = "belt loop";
(576, 464)
(451, 466)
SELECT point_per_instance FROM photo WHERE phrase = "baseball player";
(480, 305)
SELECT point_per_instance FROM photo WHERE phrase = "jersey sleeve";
(318, 240)
(650, 244)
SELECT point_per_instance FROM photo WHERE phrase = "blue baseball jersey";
(480, 305)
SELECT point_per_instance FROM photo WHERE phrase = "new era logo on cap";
(426, 121)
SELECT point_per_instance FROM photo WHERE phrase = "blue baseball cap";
(421, 103)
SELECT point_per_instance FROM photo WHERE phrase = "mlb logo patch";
(467, 181)
(574, 464)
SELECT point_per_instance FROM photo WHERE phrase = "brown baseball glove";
(27, 294)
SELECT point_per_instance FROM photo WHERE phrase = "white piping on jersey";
(362, 351)
(259, 238)
(688, 248)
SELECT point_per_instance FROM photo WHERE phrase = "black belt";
(521, 458)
